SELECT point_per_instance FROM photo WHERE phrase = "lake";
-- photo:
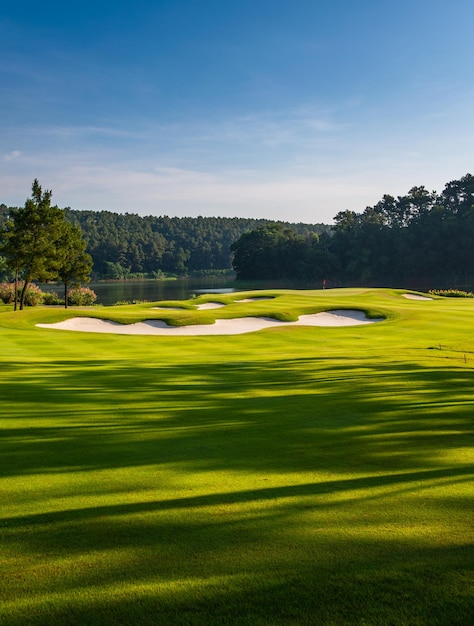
(110, 292)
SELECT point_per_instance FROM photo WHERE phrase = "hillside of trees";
(422, 239)
(127, 245)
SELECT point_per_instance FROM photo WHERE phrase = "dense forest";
(419, 240)
(128, 245)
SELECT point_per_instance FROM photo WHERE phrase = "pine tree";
(31, 237)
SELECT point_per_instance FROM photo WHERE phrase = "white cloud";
(174, 191)
(11, 156)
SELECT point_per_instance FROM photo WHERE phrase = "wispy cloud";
(75, 132)
(253, 140)
(154, 187)
(11, 156)
(173, 191)
(269, 128)
(304, 164)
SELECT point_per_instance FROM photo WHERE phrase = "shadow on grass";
(458, 475)
(240, 571)
(317, 552)
(288, 416)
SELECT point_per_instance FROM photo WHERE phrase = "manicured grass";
(291, 476)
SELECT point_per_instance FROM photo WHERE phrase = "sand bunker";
(255, 299)
(236, 326)
(414, 296)
(210, 305)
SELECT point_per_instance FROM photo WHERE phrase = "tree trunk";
(65, 294)
(15, 294)
(23, 293)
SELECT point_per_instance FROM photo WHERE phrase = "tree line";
(130, 246)
(422, 239)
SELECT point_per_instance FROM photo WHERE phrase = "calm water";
(181, 289)
(152, 290)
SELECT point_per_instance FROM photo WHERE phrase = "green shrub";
(452, 293)
(134, 301)
(33, 295)
(51, 298)
(81, 296)
(158, 274)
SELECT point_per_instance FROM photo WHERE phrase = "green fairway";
(297, 475)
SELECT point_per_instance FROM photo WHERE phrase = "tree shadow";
(325, 551)
(290, 416)
(215, 570)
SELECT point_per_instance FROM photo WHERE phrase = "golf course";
(297, 472)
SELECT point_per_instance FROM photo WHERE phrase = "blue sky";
(291, 110)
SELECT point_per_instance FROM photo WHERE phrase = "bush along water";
(81, 296)
(77, 296)
(7, 293)
(51, 298)
(33, 295)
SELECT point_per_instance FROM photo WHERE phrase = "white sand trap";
(255, 299)
(210, 305)
(236, 326)
(414, 296)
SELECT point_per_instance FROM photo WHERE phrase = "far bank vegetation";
(420, 240)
